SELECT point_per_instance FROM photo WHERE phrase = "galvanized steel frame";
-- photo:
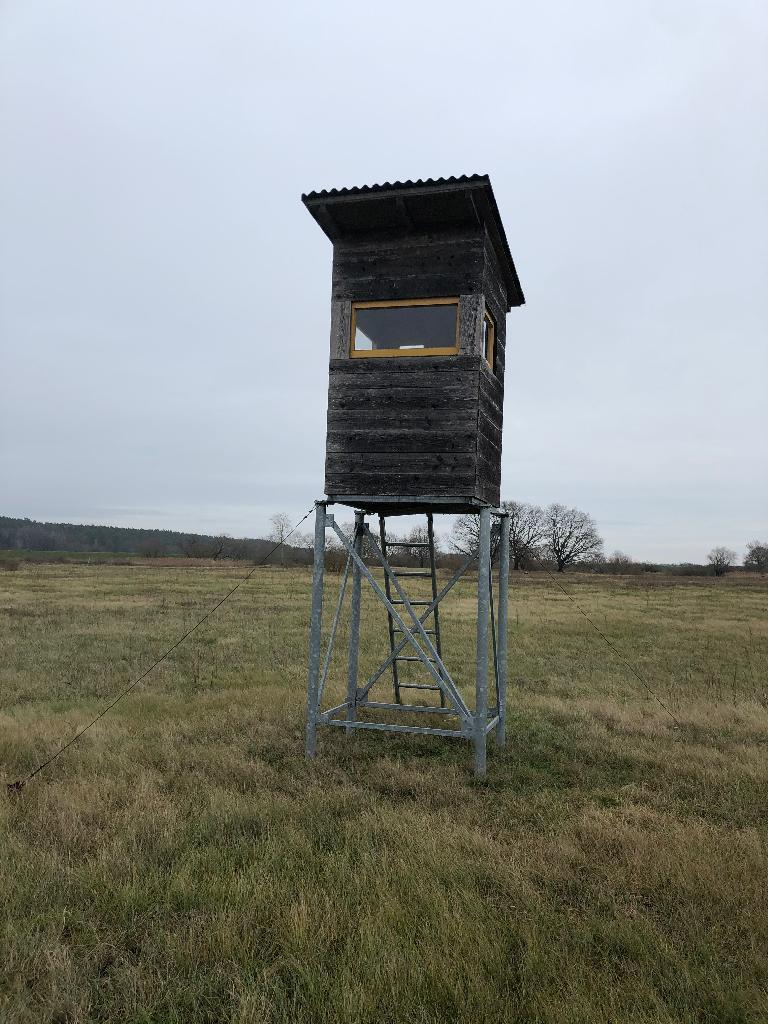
(473, 725)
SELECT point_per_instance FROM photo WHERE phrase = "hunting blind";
(422, 281)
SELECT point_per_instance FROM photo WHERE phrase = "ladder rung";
(413, 657)
(429, 632)
(423, 574)
(412, 603)
(418, 686)
(405, 544)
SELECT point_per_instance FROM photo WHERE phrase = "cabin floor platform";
(407, 505)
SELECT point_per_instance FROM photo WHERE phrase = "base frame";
(472, 724)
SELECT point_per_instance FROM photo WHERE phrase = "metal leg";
(494, 645)
(315, 629)
(501, 734)
(483, 609)
(354, 623)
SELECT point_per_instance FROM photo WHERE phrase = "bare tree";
(570, 536)
(188, 546)
(218, 546)
(721, 559)
(465, 534)
(335, 554)
(240, 550)
(618, 562)
(204, 547)
(526, 530)
(418, 537)
(151, 547)
(281, 527)
(756, 558)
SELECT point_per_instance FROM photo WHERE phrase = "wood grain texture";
(413, 427)
(341, 317)
(404, 484)
(392, 463)
(375, 420)
(489, 436)
(493, 282)
(420, 266)
(404, 440)
(397, 428)
(401, 429)
(470, 325)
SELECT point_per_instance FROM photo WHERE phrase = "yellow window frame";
(490, 346)
(400, 353)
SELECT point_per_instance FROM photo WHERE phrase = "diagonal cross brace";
(445, 684)
(422, 618)
(444, 680)
(332, 637)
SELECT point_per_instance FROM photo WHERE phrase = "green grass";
(182, 863)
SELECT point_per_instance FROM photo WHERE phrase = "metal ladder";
(421, 573)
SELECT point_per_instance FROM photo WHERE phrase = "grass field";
(182, 863)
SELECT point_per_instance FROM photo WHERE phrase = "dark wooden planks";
(489, 435)
(405, 366)
(396, 427)
(392, 462)
(403, 440)
(412, 425)
(461, 381)
(420, 266)
(402, 399)
(373, 420)
(403, 484)
(493, 285)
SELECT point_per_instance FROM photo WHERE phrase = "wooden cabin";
(422, 282)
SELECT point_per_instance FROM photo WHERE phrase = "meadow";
(182, 863)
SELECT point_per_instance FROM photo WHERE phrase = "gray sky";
(164, 296)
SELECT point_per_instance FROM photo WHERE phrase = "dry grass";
(183, 864)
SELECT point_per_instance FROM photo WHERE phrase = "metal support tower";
(407, 631)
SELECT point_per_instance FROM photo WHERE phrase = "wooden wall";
(403, 426)
(409, 267)
(491, 398)
(423, 426)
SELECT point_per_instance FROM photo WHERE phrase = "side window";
(489, 341)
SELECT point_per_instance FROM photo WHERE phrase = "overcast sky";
(164, 295)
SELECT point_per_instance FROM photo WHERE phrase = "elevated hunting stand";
(422, 281)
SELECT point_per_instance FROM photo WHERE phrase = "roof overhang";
(417, 207)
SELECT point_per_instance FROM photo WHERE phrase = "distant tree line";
(557, 538)
(26, 534)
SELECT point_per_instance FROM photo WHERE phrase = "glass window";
(489, 340)
(420, 327)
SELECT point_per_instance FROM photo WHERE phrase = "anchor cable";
(16, 787)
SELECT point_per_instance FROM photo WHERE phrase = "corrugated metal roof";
(424, 204)
(391, 186)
